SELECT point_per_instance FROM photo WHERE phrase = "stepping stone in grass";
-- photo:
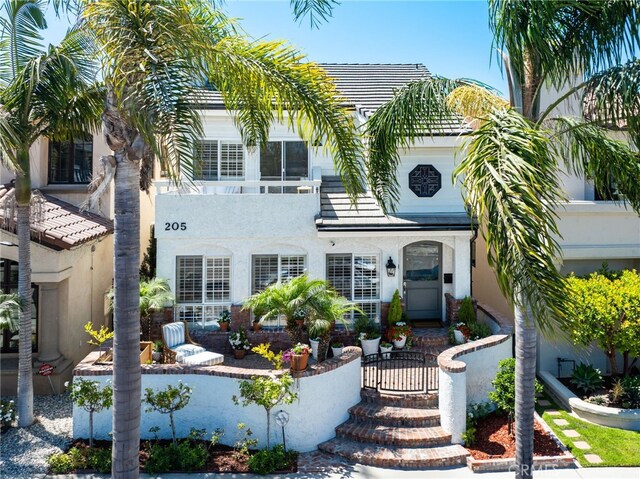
(561, 422)
(553, 412)
(593, 458)
(581, 445)
(544, 402)
(571, 433)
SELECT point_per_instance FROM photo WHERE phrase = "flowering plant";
(7, 414)
(239, 340)
(299, 348)
(464, 329)
(225, 317)
(398, 330)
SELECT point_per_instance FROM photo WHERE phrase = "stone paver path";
(571, 433)
(581, 445)
(553, 412)
(561, 422)
(593, 458)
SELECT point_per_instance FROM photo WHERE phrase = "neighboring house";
(594, 229)
(71, 259)
(249, 218)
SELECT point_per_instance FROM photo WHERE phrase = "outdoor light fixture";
(391, 268)
(8, 244)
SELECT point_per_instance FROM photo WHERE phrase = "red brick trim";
(87, 367)
(447, 359)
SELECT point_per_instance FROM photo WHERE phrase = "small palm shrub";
(586, 378)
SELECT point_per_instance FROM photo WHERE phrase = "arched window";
(9, 284)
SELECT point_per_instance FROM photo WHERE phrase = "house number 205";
(175, 226)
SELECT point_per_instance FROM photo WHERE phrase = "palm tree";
(331, 309)
(510, 174)
(153, 54)
(43, 92)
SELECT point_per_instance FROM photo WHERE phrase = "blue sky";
(451, 38)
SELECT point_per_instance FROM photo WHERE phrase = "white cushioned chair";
(177, 343)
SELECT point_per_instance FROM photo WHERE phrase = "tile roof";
(365, 87)
(338, 214)
(63, 225)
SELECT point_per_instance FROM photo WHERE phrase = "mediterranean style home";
(250, 217)
(71, 258)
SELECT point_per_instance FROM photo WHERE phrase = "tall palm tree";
(154, 52)
(43, 92)
(510, 174)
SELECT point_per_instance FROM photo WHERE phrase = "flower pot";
(336, 351)
(239, 353)
(156, 356)
(370, 346)
(400, 343)
(299, 362)
(459, 337)
(224, 327)
(386, 351)
(314, 348)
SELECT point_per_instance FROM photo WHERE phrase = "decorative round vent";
(425, 181)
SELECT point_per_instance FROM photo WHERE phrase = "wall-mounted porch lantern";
(391, 268)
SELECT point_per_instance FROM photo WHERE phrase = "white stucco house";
(249, 218)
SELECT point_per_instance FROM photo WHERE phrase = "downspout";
(472, 261)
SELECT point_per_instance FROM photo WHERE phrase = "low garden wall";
(603, 415)
(325, 393)
(466, 371)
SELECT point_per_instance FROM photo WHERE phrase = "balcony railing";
(239, 187)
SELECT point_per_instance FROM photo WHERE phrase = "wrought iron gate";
(400, 371)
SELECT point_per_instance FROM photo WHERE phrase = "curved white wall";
(323, 401)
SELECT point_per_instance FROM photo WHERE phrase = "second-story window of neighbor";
(284, 160)
(71, 162)
(219, 160)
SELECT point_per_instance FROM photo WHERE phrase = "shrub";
(100, 460)
(160, 459)
(168, 401)
(268, 461)
(631, 394)
(586, 378)
(60, 463)
(504, 384)
(7, 414)
(475, 412)
(478, 330)
(466, 311)
(395, 309)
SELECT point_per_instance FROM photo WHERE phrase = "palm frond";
(9, 312)
(589, 151)
(318, 11)
(511, 185)
(565, 38)
(417, 110)
(474, 102)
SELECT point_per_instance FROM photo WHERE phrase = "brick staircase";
(395, 431)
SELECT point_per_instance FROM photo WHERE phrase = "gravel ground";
(24, 452)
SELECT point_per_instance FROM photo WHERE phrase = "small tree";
(168, 401)
(98, 336)
(267, 391)
(607, 310)
(395, 309)
(92, 398)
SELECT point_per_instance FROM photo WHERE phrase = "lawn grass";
(616, 447)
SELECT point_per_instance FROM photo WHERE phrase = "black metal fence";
(400, 371)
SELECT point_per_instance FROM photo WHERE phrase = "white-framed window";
(267, 269)
(203, 289)
(219, 160)
(357, 278)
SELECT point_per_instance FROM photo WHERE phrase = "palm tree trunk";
(25, 347)
(525, 332)
(126, 324)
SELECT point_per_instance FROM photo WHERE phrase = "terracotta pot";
(257, 326)
(239, 353)
(224, 327)
(299, 362)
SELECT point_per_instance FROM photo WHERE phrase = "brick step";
(393, 436)
(415, 401)
(396, 457)
(394, 416)
(431, 342)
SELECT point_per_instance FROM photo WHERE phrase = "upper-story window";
(9, 285)
(219, 160)
(284, 160)
(71, 161)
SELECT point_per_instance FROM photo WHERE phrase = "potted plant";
(256, 325)
(336, 348)
(157, 351)
(224, 319)
(385, 349)
(297, 356)
(461, 333)
(240, 343)
(299, 316)
(315, 342)
(368, 335)
(398, 334)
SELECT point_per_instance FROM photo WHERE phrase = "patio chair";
(177, 344)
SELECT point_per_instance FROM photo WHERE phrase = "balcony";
(236, 209)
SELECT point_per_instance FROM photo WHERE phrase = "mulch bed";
(493, 440)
